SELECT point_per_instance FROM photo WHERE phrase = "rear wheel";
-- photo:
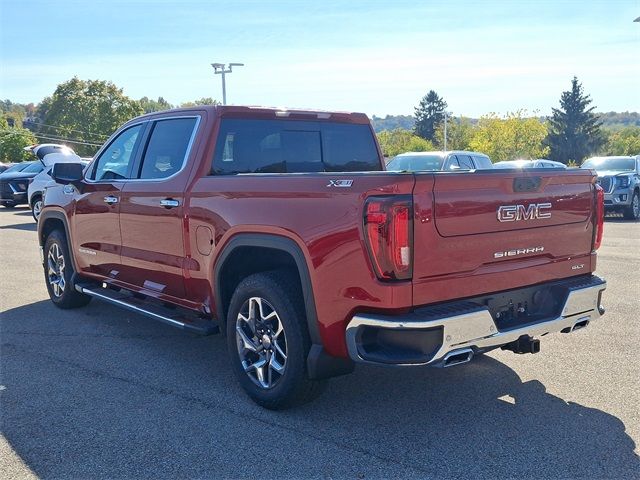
(632, 212)
(58, 273)
(9, 205)
(36, 207)
(268, 341)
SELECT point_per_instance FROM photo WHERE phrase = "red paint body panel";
(456, 233)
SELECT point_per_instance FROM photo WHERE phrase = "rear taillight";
(388, 228)
(599, 220)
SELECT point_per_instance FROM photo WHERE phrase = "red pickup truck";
(282, 229)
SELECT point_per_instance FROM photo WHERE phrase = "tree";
(149, 105)
(459, 134)
(515, 136)
(624, 142)
(429, 114)
(394, 142)
(13, 141)
(574, 128)
(87, 111)
(201, 101)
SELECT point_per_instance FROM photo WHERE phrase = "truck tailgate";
(487, 231)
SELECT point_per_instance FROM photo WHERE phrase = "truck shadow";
(98, 392)
(28, 227)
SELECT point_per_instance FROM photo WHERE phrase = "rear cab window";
(293, 146)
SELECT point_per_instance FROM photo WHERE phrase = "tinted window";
(416, 163)
(35, 167)
(167, 147)
(349, 148)
(452, 163)
(42, 151)
(113, 163)
(279, 146)
(18, 167)
(482, 162)
(465, 162)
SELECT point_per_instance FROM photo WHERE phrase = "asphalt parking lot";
(103, 393)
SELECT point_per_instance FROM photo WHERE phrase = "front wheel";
(58, 273)
(632, 212)
(268, 341)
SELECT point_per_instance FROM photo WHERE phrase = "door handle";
(169, 203)
(110, 199)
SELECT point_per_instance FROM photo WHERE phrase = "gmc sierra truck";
(281, 229)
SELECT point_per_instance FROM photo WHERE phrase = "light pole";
(446, 116)
(218, 69)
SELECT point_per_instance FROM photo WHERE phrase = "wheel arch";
(51, 220)
(283, 252)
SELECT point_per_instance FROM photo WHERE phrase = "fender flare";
(275, 242)
(57, 215)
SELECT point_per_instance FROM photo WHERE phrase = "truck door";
(96, 225)
(152, 214)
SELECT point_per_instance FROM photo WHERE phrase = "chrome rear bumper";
(458, 330)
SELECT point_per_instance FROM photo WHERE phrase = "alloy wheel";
(636, 206)
(262, 342)
(37, 209)
(55, 269)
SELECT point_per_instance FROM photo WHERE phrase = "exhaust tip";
(457, 357)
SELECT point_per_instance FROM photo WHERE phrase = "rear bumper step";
(450, 334)
(178, 317)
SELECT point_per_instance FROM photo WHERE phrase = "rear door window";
(465, 162)
(290, 146)
(167, 148)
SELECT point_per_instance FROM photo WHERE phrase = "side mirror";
(67, 173)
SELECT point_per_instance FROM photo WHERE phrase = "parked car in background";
(14, 183)
(619, 177)
(38, 184)
(4, 167)
(16, 167)
(537, 163)
(436, 161)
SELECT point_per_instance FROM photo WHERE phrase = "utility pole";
(219, 69)
(446, 116)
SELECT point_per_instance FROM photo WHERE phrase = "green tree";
(200, 101)
(150, 105)
(574, 128)
(394, 142)
(13, 141)
(429, 114)
(624, 142)
(87, 111)
(515, 136)
(459, 134)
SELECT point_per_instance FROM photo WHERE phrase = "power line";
(46, 137)
(66, 129)
(68, 140)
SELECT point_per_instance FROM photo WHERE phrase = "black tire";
(282, 295)
(632, 212)
(63, 296)
(9, 205)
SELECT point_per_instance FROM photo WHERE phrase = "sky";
(370, 56)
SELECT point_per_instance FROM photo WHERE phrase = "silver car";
(537, 163)
(619, 177)
(438, 161)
